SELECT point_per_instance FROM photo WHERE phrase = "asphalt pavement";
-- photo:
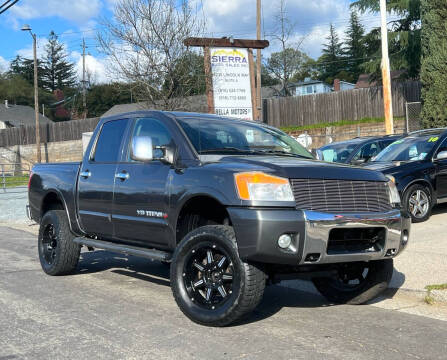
(117, 307)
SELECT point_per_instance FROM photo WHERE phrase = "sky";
(73, 20)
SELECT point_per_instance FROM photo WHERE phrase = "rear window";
(109, 141)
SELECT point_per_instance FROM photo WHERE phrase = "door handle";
(122, 175)
(85, 174)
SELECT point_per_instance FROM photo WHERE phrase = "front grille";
(344, 196)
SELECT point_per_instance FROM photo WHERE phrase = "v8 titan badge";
(152, 213)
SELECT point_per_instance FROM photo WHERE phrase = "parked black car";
(232, 205)
(355, 151)
(418, 166)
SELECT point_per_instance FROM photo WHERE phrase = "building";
(311, 87)
(19, 115)
(364, 79)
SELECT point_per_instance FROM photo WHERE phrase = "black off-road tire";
(65, 254)
(406, 202)
(247, 290)
(377, 280)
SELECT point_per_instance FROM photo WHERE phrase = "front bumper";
(257, 231)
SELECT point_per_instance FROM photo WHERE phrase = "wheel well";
(423, 183)
(51, 201)
(200, 211)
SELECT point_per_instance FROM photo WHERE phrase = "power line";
(6, 5)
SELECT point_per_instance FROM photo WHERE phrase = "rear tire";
(337, 290)
(58, 254)
(210, 283)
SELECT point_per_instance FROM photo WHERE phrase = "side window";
(367, 151)
(156, 130)
(443, 147)
(109, 142)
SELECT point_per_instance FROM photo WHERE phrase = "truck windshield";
(225, 136)
(411, 148)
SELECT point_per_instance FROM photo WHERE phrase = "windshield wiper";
(226, 150)
(283, 153)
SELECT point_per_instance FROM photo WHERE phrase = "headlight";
(394, 193)
(258, 186)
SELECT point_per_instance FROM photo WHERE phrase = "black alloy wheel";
(58, 254)
(48, 245)
(211, 284)
(208, 275)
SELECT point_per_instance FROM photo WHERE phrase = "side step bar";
(124, 249)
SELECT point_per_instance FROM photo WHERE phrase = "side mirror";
(142, 149)
(442, 155)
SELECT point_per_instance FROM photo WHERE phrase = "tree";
(284, 64)
(266, 78)
(145, 45)
(331, 62)
(190, 76)
(404, 37)
(25, 69)
(355, 48)
(58, 72)
(434, 63)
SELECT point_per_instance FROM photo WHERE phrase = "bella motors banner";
(231, 82)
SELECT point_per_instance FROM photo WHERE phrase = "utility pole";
(258, 116)
(84, 101)
(26, 27)
(386, 75)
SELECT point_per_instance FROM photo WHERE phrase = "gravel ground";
(12, 205)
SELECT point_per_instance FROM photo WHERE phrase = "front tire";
(210, 283)
(356, 283)
(58, 254)
(418, 202)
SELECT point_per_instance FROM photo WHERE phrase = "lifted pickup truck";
(231, 205)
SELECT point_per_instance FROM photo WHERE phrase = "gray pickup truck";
(230, 205)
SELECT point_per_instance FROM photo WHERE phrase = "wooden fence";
(337, 106)
(59, 131)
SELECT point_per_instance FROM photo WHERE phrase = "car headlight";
(258, 186)
(393, 192)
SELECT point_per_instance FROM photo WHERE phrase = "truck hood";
(296, 168)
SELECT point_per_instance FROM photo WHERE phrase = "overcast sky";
(75, 19)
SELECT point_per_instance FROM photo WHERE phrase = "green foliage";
(434, 63)
(331, 61)
(189, 78)
(17, 90)
(404, 38)
(355, 50)
(286, 65)
(25, 69)
(266, 78)
(58, 72)
(101, 98)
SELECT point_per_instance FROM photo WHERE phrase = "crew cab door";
(441, 171)
(97, 178)
(141, 190)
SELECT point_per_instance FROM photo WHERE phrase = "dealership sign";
(231, 82)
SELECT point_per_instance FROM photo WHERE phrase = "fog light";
(284, 241)
(405, 237)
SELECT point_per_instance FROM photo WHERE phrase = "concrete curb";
(438, 296)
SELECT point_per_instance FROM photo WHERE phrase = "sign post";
(230, 75)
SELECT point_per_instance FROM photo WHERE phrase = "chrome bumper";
(319, 225)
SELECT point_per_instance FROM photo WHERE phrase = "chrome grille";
(346, 196)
